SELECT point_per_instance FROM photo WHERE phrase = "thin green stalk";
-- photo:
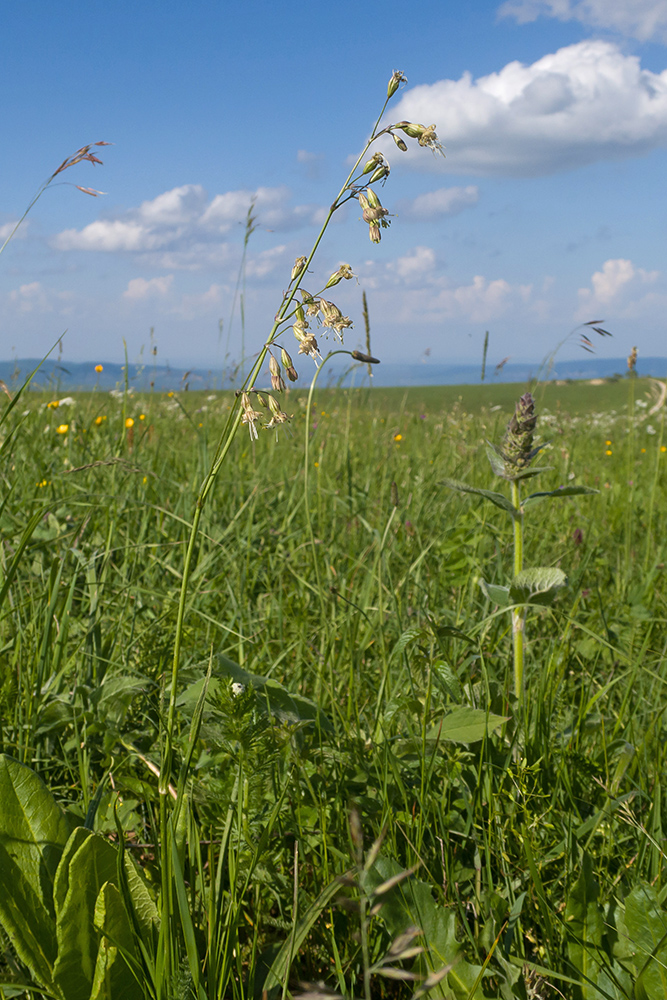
(225, 442)
(518, 614)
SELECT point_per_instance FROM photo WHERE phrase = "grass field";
(360, 718)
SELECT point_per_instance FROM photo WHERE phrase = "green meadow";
(345, 795)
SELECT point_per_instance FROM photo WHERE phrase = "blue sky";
(548, 211)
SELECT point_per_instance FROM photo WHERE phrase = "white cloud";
(143, 288)
(33, 297)
(198, 304)
(181, 228)
(645, 20)
(415, 267)
(6, 230)
(583, 103)
(414, 289)
(433, 205)
(619, 287)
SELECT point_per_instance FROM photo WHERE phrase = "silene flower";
(250, 416)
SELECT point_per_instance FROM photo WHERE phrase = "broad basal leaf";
(33, 829)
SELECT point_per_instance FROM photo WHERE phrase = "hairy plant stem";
(518, 614)
(225, 442)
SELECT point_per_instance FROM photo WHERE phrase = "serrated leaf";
(562, 491)
(466, 725)
(496, 498)
(495, 593)
(538, 585)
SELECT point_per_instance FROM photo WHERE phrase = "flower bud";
(344, 271)
(290, 370)
(397, 78)
(299, 265)
(375, 159)
(366, 358)
(401, 143)
(412, 129)
(382, 171)
(277, 383)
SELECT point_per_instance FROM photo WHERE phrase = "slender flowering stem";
(518, 614)
(225, 442)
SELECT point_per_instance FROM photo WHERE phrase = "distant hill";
(67, 376)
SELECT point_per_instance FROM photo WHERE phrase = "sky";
(547, 211)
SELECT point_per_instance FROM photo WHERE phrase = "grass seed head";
(632, 361)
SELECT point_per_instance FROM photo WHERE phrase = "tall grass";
(375, 617)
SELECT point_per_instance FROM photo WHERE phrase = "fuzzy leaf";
(537, 586)
(562, 491)
(496, 498)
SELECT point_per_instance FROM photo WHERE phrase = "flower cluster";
(251, 417)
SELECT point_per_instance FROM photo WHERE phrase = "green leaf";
(90, 864)
(274, 964)
(562, 491)
(495, 593)
(646, 943)
(271, 695)
(26, 921)
(497, 498)
(113, 976)
(33, 829)
(466, 725)
(538, 585)
(584, 923)
(411, 903)
(33, 833)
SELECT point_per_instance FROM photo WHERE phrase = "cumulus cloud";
(619, 287)
(414, 289)
(143, 288)
(645, 20)
(182, 228)
(7, 228)
(583, 103)
(34, 297)
(194, 305)
(433, 205)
